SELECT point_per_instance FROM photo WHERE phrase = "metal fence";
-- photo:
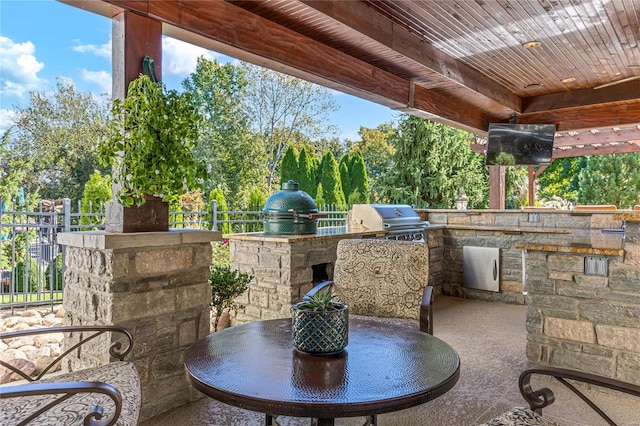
(32, 262)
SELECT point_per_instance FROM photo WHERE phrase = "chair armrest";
(118, 350)
(66, 390)
(426, 310)
(319, 287)
(544, 397)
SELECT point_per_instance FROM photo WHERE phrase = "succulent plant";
(321, 301)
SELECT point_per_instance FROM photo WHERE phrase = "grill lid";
(289, 202)
(391, 217)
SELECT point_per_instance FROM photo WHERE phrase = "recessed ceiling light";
(568, 80)
(532, 85)
(531, 44)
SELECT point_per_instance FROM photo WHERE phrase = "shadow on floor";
(491, 341)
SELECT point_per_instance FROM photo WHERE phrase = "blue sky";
(43, 40)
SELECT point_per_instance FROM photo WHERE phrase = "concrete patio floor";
(490, 339)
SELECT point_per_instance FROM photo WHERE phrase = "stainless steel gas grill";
(399, 220)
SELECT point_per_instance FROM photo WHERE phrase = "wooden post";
(532, 186)
(133, 38)
(496, 187)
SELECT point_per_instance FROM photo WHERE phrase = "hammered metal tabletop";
(385, 367)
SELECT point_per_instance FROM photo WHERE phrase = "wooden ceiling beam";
(612, 115)
(255, 39)
(363, 20)
(623, 92)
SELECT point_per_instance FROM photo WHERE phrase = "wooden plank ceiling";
(460, 62)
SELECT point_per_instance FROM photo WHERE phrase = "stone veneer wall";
(586, 322)
(283, 270)
(283, 273)
(505, 230)
(155, 285)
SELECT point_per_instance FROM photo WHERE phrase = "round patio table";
(385, 367)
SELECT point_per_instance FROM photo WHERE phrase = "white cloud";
(180, 58)
(19, 68)
(7, 118)
(102, 50)
(102, 79)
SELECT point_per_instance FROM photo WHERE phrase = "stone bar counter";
(583, 301)
(156, 284)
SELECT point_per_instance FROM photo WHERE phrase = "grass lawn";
(31, 298)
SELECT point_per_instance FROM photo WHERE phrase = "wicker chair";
(108, 394)
(539, 399)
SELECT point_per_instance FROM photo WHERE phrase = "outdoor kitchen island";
(578, 274)
(287, 266)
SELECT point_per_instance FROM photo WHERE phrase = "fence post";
(66, 210)
(214, 215)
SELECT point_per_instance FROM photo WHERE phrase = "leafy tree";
(233, 156)
(308, 167)
(610, 179)
(257, 197)
(289, 169)
(13, 168)
(97, 191)
(359, 178)
(331, 185)
(59, 132)
(436, 161)
(560, 179)
(376, 148)
(282, 108)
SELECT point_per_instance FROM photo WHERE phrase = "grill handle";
(315, 215)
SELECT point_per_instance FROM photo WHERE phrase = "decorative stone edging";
(30, 353)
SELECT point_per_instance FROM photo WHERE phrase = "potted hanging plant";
(320, 324)
(150, 146)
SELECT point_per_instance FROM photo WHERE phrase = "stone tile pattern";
(160, 293)
(585, 322)
(283, 271)
(517, 223)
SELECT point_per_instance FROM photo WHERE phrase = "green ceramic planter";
(320, 333)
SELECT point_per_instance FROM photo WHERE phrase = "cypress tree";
(319, 197)
(331, 185)
(345, 175)
(289, 167)
(307, 174)
(359, 177)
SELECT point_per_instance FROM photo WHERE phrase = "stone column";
(156, 285)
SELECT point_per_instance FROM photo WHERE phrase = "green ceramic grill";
(290, 211)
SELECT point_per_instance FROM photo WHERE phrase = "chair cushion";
(122, 375)
(519, 416)
(383, 278)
